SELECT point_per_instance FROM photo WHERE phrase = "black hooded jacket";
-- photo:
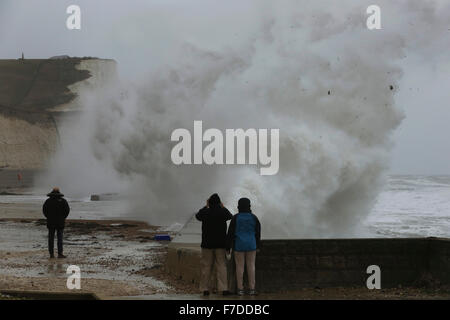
(56, 209)
(214, 226)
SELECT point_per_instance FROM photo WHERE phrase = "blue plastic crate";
(162, 237)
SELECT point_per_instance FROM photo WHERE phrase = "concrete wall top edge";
(356, 239)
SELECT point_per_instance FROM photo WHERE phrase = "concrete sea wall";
(293, 264)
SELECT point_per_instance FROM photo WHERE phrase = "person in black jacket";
(55, 209)
(214, 217)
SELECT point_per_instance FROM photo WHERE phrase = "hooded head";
(55, 193)
(244, 205)
(214, 201)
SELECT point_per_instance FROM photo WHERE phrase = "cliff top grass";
(35, 85)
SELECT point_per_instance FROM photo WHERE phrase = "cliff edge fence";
(34, 95)
(283, 265)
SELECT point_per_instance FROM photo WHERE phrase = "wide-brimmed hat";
(55, 193)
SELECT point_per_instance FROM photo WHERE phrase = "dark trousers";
(51, 240)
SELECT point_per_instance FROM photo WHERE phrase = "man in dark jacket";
(214, 217)
(55, 209)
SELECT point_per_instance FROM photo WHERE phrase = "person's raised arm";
(200, 216)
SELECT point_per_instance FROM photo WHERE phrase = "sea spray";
(313, 70)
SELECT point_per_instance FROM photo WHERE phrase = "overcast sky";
(130, 31)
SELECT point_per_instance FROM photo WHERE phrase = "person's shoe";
(205, 293)
(226, 293)
(240, 292)
(61, 256)
(252, 292)
(52, 256)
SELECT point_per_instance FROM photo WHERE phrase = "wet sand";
(116, 258)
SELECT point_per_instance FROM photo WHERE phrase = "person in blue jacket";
(244, 236)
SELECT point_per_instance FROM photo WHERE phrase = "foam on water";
(412, 206)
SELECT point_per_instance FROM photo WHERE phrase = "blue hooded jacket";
(244, 232)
